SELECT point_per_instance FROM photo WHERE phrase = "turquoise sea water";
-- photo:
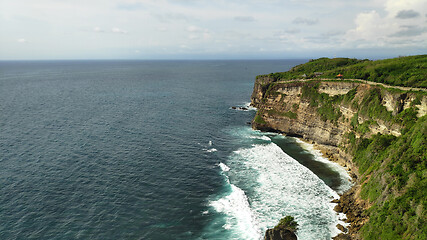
(151, 150)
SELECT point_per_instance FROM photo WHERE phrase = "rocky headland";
(339, 116)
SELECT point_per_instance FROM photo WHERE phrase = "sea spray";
(239, 221)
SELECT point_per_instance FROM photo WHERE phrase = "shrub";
(259, 119)
(287, 223)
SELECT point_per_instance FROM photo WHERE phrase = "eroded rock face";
(283, 108)
(286, 97)
(272, 234)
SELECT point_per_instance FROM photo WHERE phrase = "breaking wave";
(265, 184)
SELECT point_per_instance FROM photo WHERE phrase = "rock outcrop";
(274, 234)
(273, 99)
(285, 107)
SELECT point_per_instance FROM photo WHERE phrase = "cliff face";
(305, 122)
(326, 112)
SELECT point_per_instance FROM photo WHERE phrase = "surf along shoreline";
(349, 204)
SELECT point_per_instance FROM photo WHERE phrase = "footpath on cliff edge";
(357, 81)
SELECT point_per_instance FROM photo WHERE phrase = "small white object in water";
(211, 150)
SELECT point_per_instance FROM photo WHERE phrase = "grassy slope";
(393, 169)
(394, 174)
(403, 71)
(397, 183)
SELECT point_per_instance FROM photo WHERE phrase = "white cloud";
(118, 30)
(129, 6)
(380, 30)
(97, 29)
(207, 35)
(194, 29)
(305, 21)
(217, 27)
(198, 33)
(22, 40)
(244, 18)
(370, 26)
(193, 36)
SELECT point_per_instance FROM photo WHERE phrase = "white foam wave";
(318, 156)
(211, 150)
(224, 167)
(249, 107)
(261, 137)
(285, 187)
(277, 185)
(239, 215)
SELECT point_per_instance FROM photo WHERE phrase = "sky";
(211, 29)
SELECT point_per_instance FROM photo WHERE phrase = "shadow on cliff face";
(289, 146)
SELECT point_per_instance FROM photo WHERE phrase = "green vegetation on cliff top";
(403, 71)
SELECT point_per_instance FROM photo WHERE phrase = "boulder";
(342, 228)
(274, 234)
(342, 236)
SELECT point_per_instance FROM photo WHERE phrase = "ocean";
(152, 150)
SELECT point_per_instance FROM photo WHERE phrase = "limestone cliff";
(333, 113)
(289, 107)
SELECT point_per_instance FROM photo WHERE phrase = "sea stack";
(279, 234)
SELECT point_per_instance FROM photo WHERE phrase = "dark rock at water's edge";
(354, 209)
(275, 234)
(342, 228)
(240, 108)
(342, 236)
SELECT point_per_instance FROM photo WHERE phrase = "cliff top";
(408, 71)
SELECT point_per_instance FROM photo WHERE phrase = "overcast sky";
(211, 29)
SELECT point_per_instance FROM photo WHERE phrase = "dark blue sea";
(151, 150)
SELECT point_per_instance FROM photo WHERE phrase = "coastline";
(374, 131)
(350, 202)
(350, 206)
(277, 173)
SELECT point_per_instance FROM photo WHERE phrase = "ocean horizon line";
(154, 60)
